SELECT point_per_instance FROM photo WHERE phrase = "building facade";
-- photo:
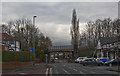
(7, 42)
(109, 47)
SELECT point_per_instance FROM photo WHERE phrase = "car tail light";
(80, 61)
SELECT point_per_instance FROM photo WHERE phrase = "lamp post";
(34, 35)
(118, 47)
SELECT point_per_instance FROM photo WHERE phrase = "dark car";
(91, 61)
(112, 62)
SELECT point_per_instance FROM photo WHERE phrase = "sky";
(54, 18)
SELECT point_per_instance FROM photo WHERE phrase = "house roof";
(5, 36)
(108, 40)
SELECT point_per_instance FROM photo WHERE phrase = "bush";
(23, 56)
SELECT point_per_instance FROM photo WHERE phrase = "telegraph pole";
(118, 47)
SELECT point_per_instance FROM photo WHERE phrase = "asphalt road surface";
(76, 68)
(62, 67)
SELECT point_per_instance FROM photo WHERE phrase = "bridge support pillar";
(54, 54)
(72, 55)
(57, 54)
(63, 54)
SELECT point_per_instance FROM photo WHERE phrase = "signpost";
(30, 51)
(118, 51)
(46, 54)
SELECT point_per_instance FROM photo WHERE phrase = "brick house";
(7, 42)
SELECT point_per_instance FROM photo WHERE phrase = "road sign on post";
(30, 49)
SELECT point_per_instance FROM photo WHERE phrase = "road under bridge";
(66, 51)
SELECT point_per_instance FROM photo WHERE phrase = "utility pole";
(118, 46)
(34, 36)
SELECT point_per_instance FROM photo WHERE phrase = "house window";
(3, 42)
(11, 42)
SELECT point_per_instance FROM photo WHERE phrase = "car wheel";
(84, 64)
(110, 64)
(99, 64)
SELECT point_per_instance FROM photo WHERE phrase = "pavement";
(38, 69)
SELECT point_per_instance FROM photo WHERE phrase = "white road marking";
(56, 71)
(66, 71)
(81, 72)
(46, 71)
(50, 71)
(63, 65)
(89, 71)
(75, 69)
(92, 72)
(22, 73)
(84, 69)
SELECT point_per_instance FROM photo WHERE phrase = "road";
(61, 68)
(76, 68)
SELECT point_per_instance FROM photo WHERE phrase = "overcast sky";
(54, 18)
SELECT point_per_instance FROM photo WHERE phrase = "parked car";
(102, 59)
(112, 62)
(79, 59)
(91, 61)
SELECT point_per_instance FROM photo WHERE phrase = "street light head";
(34, 16)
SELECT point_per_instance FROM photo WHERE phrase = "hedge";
(23, 56)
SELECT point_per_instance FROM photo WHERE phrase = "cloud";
(54, 18)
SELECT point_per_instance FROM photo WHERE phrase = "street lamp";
(34, 35)
(118, 46)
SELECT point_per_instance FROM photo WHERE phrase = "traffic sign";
(68, 53)
(30, 49)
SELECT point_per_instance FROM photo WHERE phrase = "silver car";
(91, 61)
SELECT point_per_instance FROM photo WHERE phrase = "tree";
(74, 31)
(23, 30)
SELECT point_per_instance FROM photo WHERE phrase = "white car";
(79, 59)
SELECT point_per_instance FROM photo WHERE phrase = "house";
(7, 42)
(107, 47)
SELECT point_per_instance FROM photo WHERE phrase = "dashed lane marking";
(56, 71)
(89, 71)
(92, 72)
(66, 71)
(84, 69)
(22, 73)
(47, 72)
(50, 71)
(81, 72)
(75, 69)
